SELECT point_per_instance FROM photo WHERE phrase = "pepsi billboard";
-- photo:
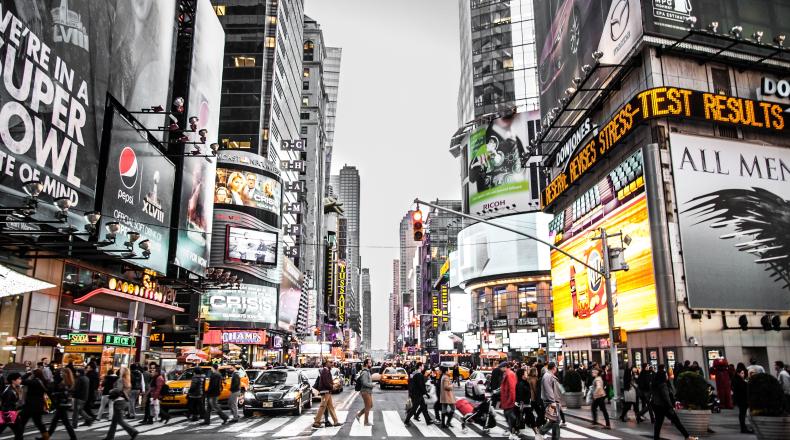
(137, 191)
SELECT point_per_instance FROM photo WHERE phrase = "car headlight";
(292, 395)
(186, 390)
(249, 396)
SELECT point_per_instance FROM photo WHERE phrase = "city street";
(388, 417)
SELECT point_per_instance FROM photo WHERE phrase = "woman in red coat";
(723, 383)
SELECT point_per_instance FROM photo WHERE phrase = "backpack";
(358, 383)
(137, 380)
(166, 389)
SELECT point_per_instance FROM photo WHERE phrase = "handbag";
(588, 398)
(409, 404)
(552, 413)
(9, 417)
(630, 395)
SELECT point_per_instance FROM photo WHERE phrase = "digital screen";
(245, 188)
(250, 304)
(249, 246)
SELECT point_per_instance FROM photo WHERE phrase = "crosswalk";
(385, 424)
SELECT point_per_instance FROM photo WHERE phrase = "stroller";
(481, 413)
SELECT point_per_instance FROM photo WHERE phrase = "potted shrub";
(572, 382)
(692, 394)
(765, 407)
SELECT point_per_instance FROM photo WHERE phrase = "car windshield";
(252, 374)
(310, 374)
(394, 371)
(375, 370)
(187, 374)
(273, 377)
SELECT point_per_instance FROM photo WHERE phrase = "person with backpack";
(81, 392)
(195, 395)
(364, 385)
(417, 393)
(212, 395)
(138, 387)
(121, 395)
(235, 389)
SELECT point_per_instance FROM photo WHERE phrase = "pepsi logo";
(128, 168)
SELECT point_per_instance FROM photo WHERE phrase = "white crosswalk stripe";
(295, 427)
(358, 428)
(334, 430)
(394, 425)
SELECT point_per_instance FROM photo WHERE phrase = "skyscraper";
(366, 309)
(395, 305)
(348, 195)
(331, 77)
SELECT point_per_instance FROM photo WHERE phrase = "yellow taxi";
(394, 377)
(463, 371)
(179, 387)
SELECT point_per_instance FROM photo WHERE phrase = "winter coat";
(417, 385)
(81, 389)
(34, 395)
(599, 389)
(740, 391)
(108, 383)
(661, 397)
(9, 399)
(523, 392)
(235, 382)
(325, 383)
(122, 390)
(214, 385)
(550, 388)
(156, 386)
(447, 396)
(507, 395)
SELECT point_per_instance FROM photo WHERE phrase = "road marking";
(591, 432)
(458, 432)
(170, 427)
(394, 425)
(333, 430)
(95, 425)
(349, 400)
(429, 430)
(358, 429)
(267, 426)
(236, 427)
(295, 427)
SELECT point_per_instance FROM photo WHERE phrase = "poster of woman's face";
(247, 189)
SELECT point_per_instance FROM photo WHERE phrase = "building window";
(306, 72)
(272, 19)
(304, 115)
(265, 134)
(220, 10)
(500, 302)
(303, 130)
(305, 85)
(527, 302)
(270, 42)
(244, 61)
(309, 50)
(306, 101)
(721, 81)
(236, 145)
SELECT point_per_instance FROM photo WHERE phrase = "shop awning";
(117, 301)
(14, 283)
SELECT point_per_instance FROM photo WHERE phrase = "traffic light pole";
(605, 272)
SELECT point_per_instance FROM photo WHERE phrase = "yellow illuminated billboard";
(618, 205)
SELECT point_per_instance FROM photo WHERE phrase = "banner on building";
(341, 293)
(249, 304)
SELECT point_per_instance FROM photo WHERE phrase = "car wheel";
(247, 413)
(298, 409)
(574, 31)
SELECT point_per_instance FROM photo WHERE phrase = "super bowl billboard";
(503, 173)
(734, 214)
(617, 203)
(569, 31)
(197, 188)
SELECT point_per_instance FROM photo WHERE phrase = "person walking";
(629, 394)
(106, 385)
(524, 402)
(507, 402)
(121, 395)
(784, 380)
(80, 390)
(196, 395)
(417, 393)
(212, 395)
(456, 375)
(663, 406)
(34, 404)
(325, 389)
(61, 393)
(740, 393)
(138, 387)
(599, 399)
(447, 398)
(10, 401)
(235, 390)
(365, 386)
(155, 396)
(551, 394)
(535, 396)
(644, 385)
(92, 372)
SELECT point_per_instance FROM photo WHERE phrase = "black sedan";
(278, 390)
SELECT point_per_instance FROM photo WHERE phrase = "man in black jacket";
(212, 394)
(644, 392)
(417, 393)
(235, 389)
(80, 395)
(93, 376)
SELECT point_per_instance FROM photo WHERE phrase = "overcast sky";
(396, 112)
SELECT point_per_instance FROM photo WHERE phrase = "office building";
(346, 186)
(367, 323)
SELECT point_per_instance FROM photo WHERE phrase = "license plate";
(267, 404)
(169, 398)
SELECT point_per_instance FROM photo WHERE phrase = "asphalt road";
(388, 414)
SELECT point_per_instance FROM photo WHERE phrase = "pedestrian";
(754, 368)
(741, 396)
(551, 394)
(417, 393)
(45, 371)
(80, 392)
(155, 394)
(138, 387)
(535, 396)
(196, 395)
(608, 386)
(34, 404)
(148, 375)
(365, 386)
(599, 399)
(61, 393)
(92, 371)
(10, 402)
(212, 396)
(325, 389)
(456, 375)
(507, 402)
(121, 396)
(106, 385)
(664, 407)
(446, 398)
(235, 390)
(644, 386)
(524, 402)
(629, 394)
(784, 380)
(436, 379)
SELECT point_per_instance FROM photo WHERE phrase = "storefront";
(108, 350)
(247, 347)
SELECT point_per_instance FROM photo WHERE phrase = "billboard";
(290, 295)
(619, 204)
(137, 192)
(460, 312)
(245, 188)
(250, 304)
(205, 82)
(341, 292)
(503, 176)
(251, 246)
(734, 204)
(569, 31)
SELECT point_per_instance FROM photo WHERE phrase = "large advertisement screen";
(569, 31)
(137, 193)
(249, 303)
(734, 204)
(245, 188)
(250, 246)
(205, 82)
(619, 204)
(503, 176)
(290, 295)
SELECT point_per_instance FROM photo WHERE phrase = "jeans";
(367, 398)
(133, 403)
(554, 427)
(78, 406)
(647, 406)
(327, 404)
(418, 406)
(213, 405)
(742, 416)
(106, 403)
(121, 405)
(233, 404)
(62, 415)
(511, 417)
(670, 414)
(600, 403)
(195, 408)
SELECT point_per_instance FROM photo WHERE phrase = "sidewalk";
(725, 424)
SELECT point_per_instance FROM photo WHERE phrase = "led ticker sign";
(663, 102)
(445, 293)
(341, 292)
(436, 311)
(86, 338)
(120, 340)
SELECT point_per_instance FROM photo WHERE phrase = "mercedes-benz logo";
(618, 22)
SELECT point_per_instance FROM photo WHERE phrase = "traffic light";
(318, 332)
(620, 336)
(416, 223)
